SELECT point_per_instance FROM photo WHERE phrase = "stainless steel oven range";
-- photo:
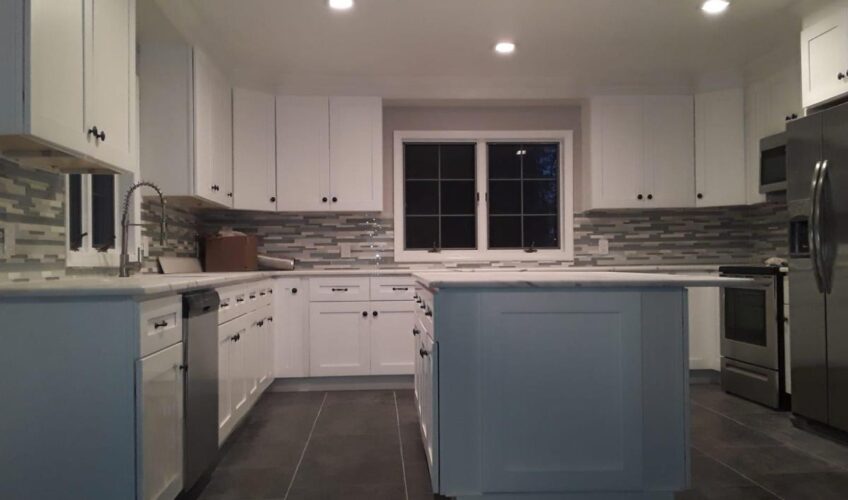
(752, 344)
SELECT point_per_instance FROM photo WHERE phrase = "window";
(92, 224)
(483, 195)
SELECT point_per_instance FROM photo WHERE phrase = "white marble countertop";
(545, 279)
(158, 284)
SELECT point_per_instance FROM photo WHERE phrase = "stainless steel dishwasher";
(200, 337)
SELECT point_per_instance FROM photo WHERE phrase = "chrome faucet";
(124, 271)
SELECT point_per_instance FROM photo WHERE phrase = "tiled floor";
(365, 445)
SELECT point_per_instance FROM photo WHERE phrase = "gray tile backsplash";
(32, 245)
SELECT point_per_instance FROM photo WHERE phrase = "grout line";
(782, 443)
(305, 446)
(739, 473)
(400, 439)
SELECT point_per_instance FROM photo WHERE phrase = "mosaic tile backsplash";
(32, 233)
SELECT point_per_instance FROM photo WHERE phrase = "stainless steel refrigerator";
(817, 195)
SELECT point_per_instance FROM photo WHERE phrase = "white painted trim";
(565, 138)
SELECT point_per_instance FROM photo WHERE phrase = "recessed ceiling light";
(715, 6)
(341, 4)
(505, 48)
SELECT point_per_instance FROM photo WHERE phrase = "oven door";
(749, 330)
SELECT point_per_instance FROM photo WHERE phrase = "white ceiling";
(443, 48)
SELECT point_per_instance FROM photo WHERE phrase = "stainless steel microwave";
(773, 163)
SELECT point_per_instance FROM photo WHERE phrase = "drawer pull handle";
(415, 332)
(236, 337)
(428, 313)
(339, 289)
(240, 300)
(422, 306)
(262, 294)
(252, 296)
(160, 324)
(400, 288)
(270, 318)
(422, 352)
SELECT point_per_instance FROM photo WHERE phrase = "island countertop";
(542, 279)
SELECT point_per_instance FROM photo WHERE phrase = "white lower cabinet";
(290, 328)
(392, 342)
(339, 338)
(161, 410)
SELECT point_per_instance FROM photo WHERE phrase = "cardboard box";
(230, 253)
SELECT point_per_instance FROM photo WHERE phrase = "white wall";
(554, 117)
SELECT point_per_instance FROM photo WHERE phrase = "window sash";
(565, 251)
(87, 254)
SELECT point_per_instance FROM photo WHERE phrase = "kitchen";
(239, 260)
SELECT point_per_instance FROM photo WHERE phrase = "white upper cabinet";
(669, 145)
(303, 154)
(185, 117)
(74, 63)
(356, 154)
(254, 151)
(329, 154)
(824, 59)
(720, 148)
(642, 152)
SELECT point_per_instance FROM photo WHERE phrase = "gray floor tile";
(710, 430)
(351, 460)
(247, 484)
(712, 397)
(709, 473)
(808, 486)
(357, 413)
(330, 491)
(727, 493)
(756, 461)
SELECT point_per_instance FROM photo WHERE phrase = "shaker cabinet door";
(356, 153)
(392, 342)
(339, 338)
(824, 59)
(161, 417)
(303, 154)
(254, 151)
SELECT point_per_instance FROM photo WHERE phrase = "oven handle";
(813, 230)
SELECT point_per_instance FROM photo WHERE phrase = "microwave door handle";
(813, 233)
(822, 265)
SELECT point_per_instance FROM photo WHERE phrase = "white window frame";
(565, 138)
(86, 255)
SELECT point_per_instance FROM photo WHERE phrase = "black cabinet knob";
(364, 314)
(324, 199)
(639, 197)
(294, 291)
(650, 197)
(422, 352)
(230, 195)
(97, 133)
(840, 76)
(335, 199)
(375, 314)
(428, 313)
(415, 332)
(273, 199)
(700, 196)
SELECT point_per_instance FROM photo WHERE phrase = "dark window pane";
(421, 161)
(505, 197)
(541, 161)
(540, 197)
(422, 197)
(458, 161)
(75, 211)
(103, 211)
(541, 232)
(422, 233)
(458, 197)
(459, 232)
(504, 161)
(505, 232)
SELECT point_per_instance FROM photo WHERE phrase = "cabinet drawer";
(338, 289)
(392, 288)
(161, 324)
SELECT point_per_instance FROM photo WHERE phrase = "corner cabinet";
(642, 152)
(824, 59)
(329, 154)
(185, 115)
(67, 84)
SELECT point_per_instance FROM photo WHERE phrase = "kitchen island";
(540, 385)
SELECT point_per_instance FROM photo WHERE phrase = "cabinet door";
(110, 68)
(617, 152)
(720, 173)
(824, 59)
(231, 386)
(222, 123)
(254, 151)
(161, 417)
(392, 342)
(56, 81)
(669, 162)
(253, 355)
(704, 329)
(303, 153)
(209, 150)
(339, 338)
(290, 304)
(240, 373)
(356, 153)
(266, 349)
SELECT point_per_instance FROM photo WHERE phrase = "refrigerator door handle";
(822, 265)
(814, 235)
